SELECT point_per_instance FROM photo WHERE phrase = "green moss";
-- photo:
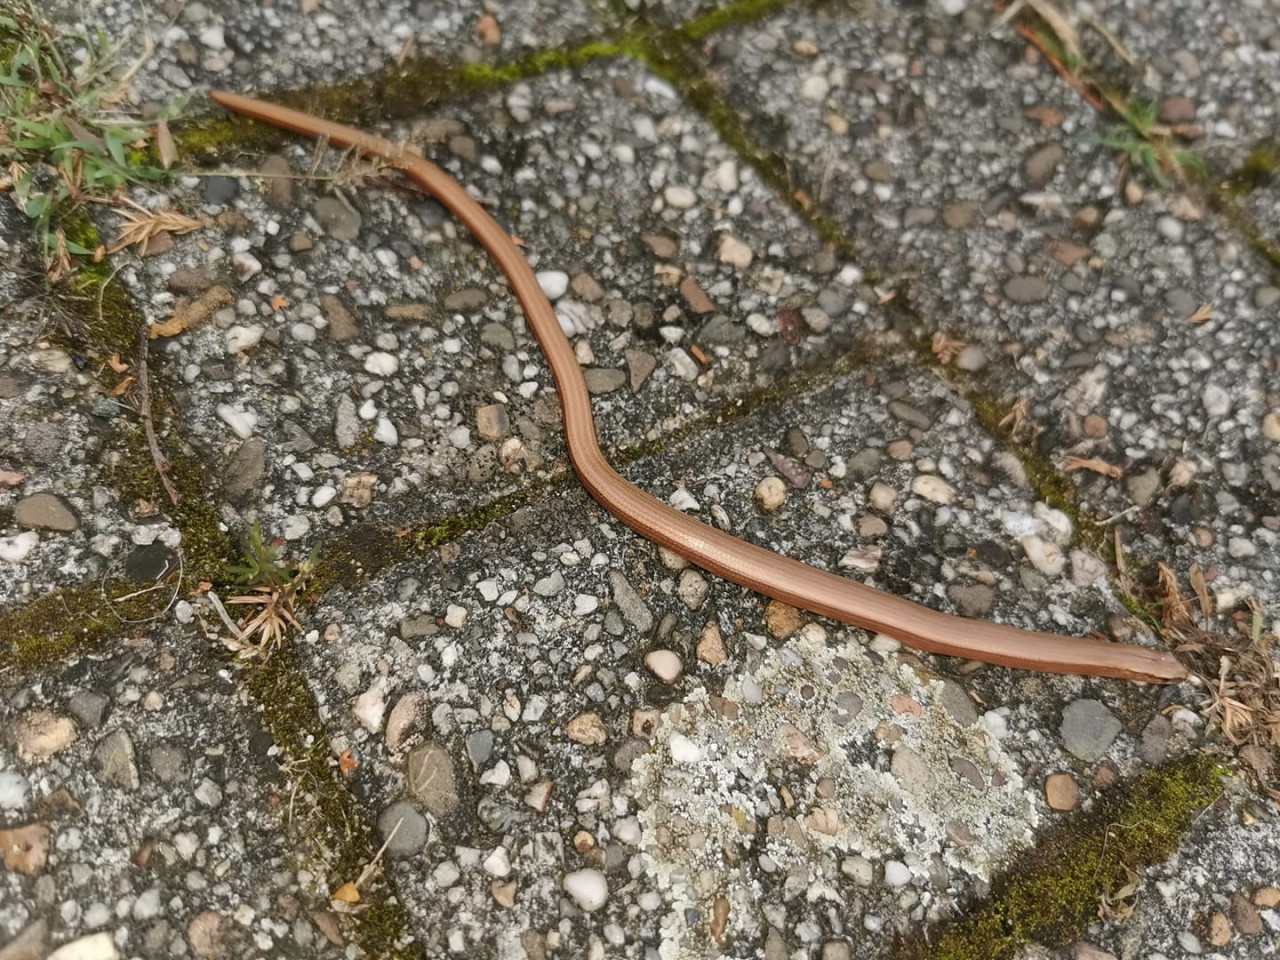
(1228, 206)
(207, 549)
(405, 91)
(1051, 894)
(668, 54)
(395, 93)
(363, 550)
(327, 817)
(1260, 167)
(111, 326)
(100, 321)
(477, 76)
(730, 14)
(1047, 482)
(44, 633)
(80, 230)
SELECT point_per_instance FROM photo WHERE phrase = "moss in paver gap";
(75, 621)
(111, 325)
(1051, 893)
(1047, 482)
(401, 92)
(97, 319)
(732, 14)
(44, 633)
(335, 826)
(396, 93)
(364, 550)
(1226, 203)
(1260, 168)
(663, 52)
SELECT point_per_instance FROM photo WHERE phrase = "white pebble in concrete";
(682, 198)
(896, 873)
(588, 889)
(683, 750)
(664, 664)
(498, 863)
(554, 283)
(933, 488)
(381, 364)
(771, 493)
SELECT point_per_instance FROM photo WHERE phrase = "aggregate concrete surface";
(868, 283)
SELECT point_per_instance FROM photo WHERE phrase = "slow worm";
(726, 556)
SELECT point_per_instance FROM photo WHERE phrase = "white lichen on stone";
(830, 754)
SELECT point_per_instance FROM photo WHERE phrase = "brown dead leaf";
(81, 133)
(327, 924)
(346, 762)
(1094, 464)
(116, 364)
(165, 146)
(488, 31)
(1203, 312)
(1016, 418)
(25, 849)
(946, 348)
(1196, 577)
(1259, 758)
(1045, 115)
(1122, 566)
(347, 893)
(121, 387)
(1116, 904)
(1175, 608)
(278, 301)
(194, 313)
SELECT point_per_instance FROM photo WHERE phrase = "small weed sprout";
(273, 588)
(1148, 144)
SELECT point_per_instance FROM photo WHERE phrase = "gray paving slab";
(512, 695)
(387, 350)
(144, 814)
(908, 126)
(1013, 238)
(1224, 58)
(280, 46)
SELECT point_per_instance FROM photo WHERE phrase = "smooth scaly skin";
(726, 556)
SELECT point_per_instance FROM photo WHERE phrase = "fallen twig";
(144, 411)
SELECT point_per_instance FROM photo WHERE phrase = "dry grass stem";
(1095, 465)
(140, 225)
(946, 348)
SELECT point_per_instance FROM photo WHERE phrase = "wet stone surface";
(1005, 363)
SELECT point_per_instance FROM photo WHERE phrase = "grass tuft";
(66, 140)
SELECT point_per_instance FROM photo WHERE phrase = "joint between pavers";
(1051, 893)
(400, 92)
(363, 552)
(336, 823)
